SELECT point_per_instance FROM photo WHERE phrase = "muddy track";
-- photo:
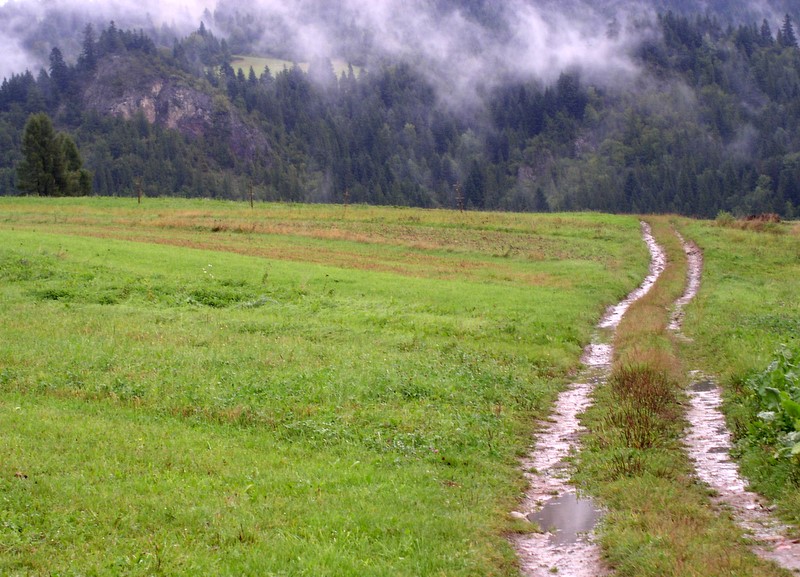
(708, 443)
(566, 547)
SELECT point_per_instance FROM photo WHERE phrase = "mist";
(463, 48)
(29, 29)
(458, 52)
(462, 53)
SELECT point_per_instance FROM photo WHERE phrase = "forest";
(711, 123)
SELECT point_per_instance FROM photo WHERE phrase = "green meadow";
(197, 387)
(276, 65)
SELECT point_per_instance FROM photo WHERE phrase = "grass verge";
(747, 310)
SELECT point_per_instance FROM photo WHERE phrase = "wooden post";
(251, 195)
(459, 196)
(138, 184)
(346, 199)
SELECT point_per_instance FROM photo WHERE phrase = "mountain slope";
(693, 118)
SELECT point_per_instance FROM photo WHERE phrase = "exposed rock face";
(125, 85)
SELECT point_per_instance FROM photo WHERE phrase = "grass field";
(276, 65)
(200, 387)
(750, 305)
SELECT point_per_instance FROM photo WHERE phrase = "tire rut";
(708, 444)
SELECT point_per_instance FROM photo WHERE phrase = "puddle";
(567, 518)
(708, 444)
(704, 386)
(570, 550)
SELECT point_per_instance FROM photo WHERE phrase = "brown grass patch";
(277, 246)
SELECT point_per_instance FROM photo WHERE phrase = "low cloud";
(30, 28)
(462, 52)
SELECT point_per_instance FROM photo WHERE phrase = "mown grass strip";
(660, 520)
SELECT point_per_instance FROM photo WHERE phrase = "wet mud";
(708, 443)
(566, 519)
(694, 272)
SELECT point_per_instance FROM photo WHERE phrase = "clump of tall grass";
(767, 222)
(643, 396)
(645, 386)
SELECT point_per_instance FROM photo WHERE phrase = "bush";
(775, 399)
(724, 218)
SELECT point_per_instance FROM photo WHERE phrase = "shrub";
(774, 395)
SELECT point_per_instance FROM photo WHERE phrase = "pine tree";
(540, 203)
(788, 38)
(475, 186)
(41, 170)
(59, 71)
(766, 34)
(88, 58)
(51, 164)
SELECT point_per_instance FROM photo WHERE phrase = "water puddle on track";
(567, 518)
(708, 443)
(565, 547)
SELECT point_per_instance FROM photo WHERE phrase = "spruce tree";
(788, 38)
(41, 170)
(540, 203)
(475, 186)
(51, 164)
(59, 71)
(88, 58)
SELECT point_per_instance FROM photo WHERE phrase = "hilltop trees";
(788, 37)
(718, 112)
(51, 164)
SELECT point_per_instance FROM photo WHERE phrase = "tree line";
(713, 125)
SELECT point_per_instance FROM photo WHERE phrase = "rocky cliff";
(125, 85)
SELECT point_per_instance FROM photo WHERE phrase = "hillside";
(686, 116)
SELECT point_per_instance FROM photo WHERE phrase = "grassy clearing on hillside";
(276, 65)
(748, 308)
(660, 520)
(199, 387)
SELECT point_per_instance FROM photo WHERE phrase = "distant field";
(197, 387)
(277, 65)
